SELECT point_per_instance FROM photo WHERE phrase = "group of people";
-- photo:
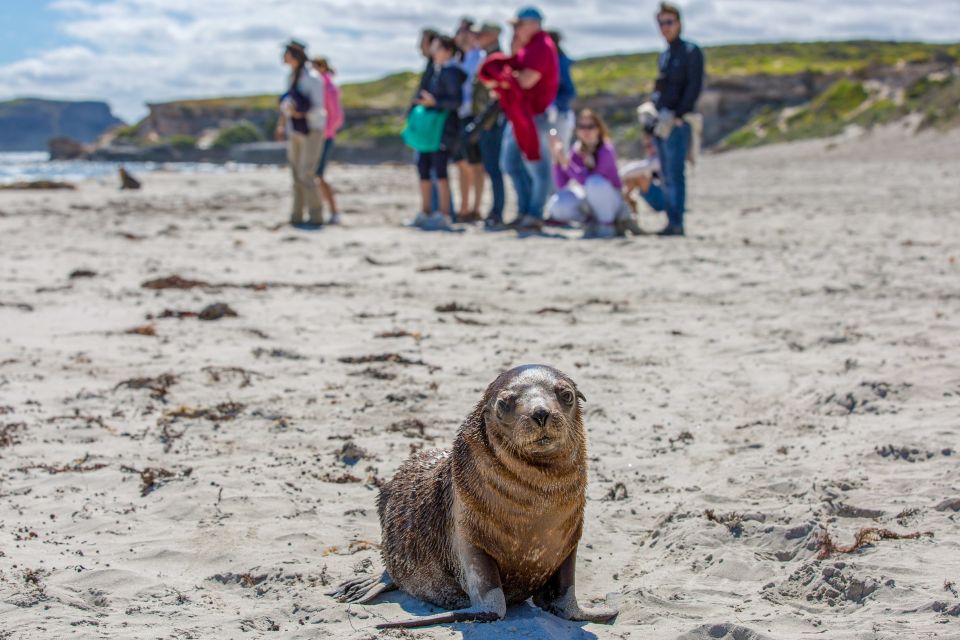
(498, 114)
(511, 114)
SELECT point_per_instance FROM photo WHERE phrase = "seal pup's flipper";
(559, 596)
(481, 581)
(363, 590)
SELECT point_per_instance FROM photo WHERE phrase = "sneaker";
(528, 223)
(599, 231)
(624, 224)
(471, 216)
(334, 218)
(494, 224)
(307, 226)
(436, 221)
(671, 231)
(420, 220)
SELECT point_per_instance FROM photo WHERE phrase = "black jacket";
(681, 77)
(446, 85)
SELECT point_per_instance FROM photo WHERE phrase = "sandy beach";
(788, 371)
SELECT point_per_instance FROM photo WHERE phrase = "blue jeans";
(673, 161)
(531, 180)
(655, 197)
(491, 142)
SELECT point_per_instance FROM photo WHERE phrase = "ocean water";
(26, 166)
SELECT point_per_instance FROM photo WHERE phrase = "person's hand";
(427, 99)
(556, 149)
(678, 122)
(279, 134)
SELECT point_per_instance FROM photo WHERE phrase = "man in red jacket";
(537, 71)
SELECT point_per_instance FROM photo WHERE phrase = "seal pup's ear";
(580, 395)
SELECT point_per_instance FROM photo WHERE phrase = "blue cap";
(528, 13)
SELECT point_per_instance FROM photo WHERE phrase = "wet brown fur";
(524, 511)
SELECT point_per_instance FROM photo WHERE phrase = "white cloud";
(129, 52)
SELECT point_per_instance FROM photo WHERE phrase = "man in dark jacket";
(678, 86)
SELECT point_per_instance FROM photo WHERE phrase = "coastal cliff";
(28, 124)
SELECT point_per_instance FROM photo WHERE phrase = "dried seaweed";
(456, 307)
(468, 321)
(77, 466)
(616, 492)
(82, 273)
(864, 537)
(400, 333)
(23, 306)
(179, 282)
(218, 373)
(220, 413)
(143, 330)
(435, 267)
(152, 478)
(732, 521)
(158, 385)
(546, 310)
(7, 431)
(395, 358)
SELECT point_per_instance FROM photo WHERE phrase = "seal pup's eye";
(500, 407)
(567, 396)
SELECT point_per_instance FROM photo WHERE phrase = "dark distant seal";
(496, 520)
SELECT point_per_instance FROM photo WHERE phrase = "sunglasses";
(586, 126)
(669, 22)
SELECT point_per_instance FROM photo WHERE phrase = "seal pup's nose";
(540, 416)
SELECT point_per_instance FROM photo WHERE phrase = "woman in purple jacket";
(588, 182)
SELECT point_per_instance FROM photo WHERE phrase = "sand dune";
(789, 369)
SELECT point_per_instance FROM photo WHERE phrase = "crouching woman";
(588, 182)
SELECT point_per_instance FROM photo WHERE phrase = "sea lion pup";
(497, 519)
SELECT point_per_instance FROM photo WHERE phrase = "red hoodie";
(499, 68)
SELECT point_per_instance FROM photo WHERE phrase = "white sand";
(755, 368)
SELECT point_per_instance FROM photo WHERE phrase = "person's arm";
(450, 94)
(694, 83)
(561, 174)
(280, 132)
(528, 78)
(607, 166)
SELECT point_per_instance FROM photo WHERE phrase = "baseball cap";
(528, 13)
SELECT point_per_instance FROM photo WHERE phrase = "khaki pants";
(303, 154)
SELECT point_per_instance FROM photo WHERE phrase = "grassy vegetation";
(374, 129)
(181, 142)
(848, 102)
(391, 92)
(237, 134)
(634, 73)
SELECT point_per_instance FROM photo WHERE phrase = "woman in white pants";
(588, 182)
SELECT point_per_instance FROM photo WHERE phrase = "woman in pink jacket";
(334, 122)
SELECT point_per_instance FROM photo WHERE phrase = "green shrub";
(241, 133)
(181, 142)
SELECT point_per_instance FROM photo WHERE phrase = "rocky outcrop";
(28, 124)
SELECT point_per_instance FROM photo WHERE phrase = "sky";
(130, 52)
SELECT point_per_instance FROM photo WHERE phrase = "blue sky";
(129, 52)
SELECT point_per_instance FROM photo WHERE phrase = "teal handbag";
(424, 129)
